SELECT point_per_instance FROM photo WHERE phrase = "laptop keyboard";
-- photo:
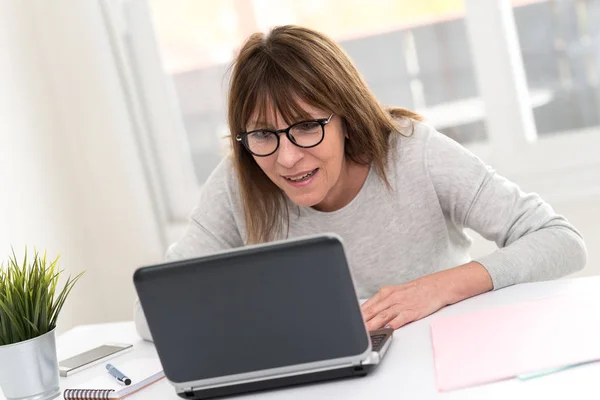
(377, 341)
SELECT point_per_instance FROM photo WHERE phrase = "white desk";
(407, 371)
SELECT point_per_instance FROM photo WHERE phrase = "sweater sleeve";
(534, 243)
(212, 228)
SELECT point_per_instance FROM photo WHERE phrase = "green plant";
(28, 305)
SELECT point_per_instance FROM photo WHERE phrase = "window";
(428, 56)
(412, 54)
(560, 43)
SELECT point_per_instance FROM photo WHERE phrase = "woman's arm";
(534, 243)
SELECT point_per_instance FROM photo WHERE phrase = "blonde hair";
(271, 73)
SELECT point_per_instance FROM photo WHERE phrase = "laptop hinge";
(372, 359)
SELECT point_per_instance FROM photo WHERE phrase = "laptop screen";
(252, 309)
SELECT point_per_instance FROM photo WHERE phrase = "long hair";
(270, 74)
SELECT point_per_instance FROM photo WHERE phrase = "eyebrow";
(260, 125)
(267, 125)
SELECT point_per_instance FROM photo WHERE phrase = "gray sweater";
(416, 227)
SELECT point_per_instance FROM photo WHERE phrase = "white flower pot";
(29, 369)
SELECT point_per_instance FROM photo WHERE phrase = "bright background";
(112, 112)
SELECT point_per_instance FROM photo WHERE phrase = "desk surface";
(407, 372)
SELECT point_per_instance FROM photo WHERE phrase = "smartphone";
(92, 357)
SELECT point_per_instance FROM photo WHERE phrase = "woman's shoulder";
(416, 130)
(220, 194)
(418, 142)
(224, 173)
(419, 147)
(410, 141)
(407, 151)
(222, 181)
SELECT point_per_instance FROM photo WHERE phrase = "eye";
(260, 135)
(308, 126)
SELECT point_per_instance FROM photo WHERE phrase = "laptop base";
(359, 370)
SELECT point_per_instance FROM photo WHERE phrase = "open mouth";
(302, 177)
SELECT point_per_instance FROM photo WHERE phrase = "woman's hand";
(396, 306)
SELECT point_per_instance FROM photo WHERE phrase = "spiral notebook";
(143, 372)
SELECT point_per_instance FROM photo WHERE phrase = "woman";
(313, 151)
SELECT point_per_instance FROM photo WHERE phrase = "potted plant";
(29, 307)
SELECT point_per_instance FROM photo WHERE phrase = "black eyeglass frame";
(243, 137)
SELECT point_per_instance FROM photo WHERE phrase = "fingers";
(377, 303)
(394, 317)
(384, 292)
(403, 318)
(382, 318)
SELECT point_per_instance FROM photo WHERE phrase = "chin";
(305, 200)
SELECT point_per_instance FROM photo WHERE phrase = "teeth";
(299, 178)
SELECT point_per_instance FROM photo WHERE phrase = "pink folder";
(505, 342)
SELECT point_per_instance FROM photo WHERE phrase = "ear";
(345, 128)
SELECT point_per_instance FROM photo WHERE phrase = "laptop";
(258, 317)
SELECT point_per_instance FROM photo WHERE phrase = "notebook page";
(141, 371)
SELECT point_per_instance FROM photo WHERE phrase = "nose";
(288, 154)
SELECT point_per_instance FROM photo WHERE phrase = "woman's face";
(306, 175)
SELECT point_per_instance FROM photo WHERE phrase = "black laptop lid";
(252, 309)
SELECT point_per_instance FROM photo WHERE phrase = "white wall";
(35, 194)
(69, 155)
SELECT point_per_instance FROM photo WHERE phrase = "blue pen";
(119, 376)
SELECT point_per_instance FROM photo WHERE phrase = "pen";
(119, 376)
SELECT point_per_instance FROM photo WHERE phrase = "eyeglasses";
(304, 134)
